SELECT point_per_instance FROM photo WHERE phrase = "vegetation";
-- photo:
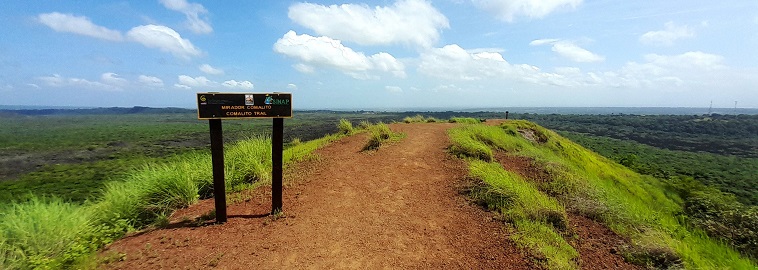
(731, 174)
(632, 205)
(380, 134)
(693, 177)
(419, 119)
(345, 127)
(464, 120)
(72, 154)
(50, 233)
(732, 135)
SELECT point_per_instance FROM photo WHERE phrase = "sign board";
(244, 105)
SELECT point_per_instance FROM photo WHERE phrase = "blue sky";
(382, 54)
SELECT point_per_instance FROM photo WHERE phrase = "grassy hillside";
(576, 181)
(48, 233)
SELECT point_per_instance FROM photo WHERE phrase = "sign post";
(218, 106)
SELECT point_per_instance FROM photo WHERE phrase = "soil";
(398, 207)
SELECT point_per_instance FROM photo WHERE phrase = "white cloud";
(113, 79)
(668, 36)
(243, 85)
(576, 53)
(192, 11)
(538, 42)
(33, 85)
(507, 10)
(324, 51)
(200, 81)
(452, 63)
(405, 22)
(60, 81)
(164, 39)
(393, 89)
(78, 25)
(150, 81)
(569, 50)
(455, 63)
(181, 86)
(291, 86)
(208, 69)
(303, 68)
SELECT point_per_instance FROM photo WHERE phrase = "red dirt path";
(398, 207)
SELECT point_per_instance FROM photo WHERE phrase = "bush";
(464, 120)
(345, 127)
(44, 234)
(380, 134)
(364, 124)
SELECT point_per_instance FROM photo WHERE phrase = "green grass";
(419, 119)
(55, 234)
(380, 134)
(464, 120)
(541, 238)
(345, 127)
(537, 218)
(634, 206)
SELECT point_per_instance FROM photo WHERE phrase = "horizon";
(515, 109)
(383, 53)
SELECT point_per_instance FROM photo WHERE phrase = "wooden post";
(217, 157)
(277, 146)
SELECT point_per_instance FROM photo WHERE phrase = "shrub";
(44, 234)
(345, 127)
(464, 120)
(380, 134)
(364, 124)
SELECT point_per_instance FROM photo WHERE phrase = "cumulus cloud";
(569, 50)
(405, 22)
(208, 69)
(200, 81)
(668, 36)
(508, 10)
(393, 89)
(663, 72)
(327, 52)
(79, 25)
(107, 79)
(453, 62)
(192, 11)
(113, 79)
(242, 85)
(164, 39)
(150, 81)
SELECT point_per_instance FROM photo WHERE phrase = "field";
(72, 155)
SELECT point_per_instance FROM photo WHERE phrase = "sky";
(385, 54)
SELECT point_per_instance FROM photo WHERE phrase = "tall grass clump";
(516, 198)
(345, 127)
(542, 239)
(380, 134)
(634, 206)
(466, 145)
(464, 120)
(45, 234)
(537, 218)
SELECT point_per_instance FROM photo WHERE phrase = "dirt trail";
(399, 207)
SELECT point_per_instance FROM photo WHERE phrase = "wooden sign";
(244, 105)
